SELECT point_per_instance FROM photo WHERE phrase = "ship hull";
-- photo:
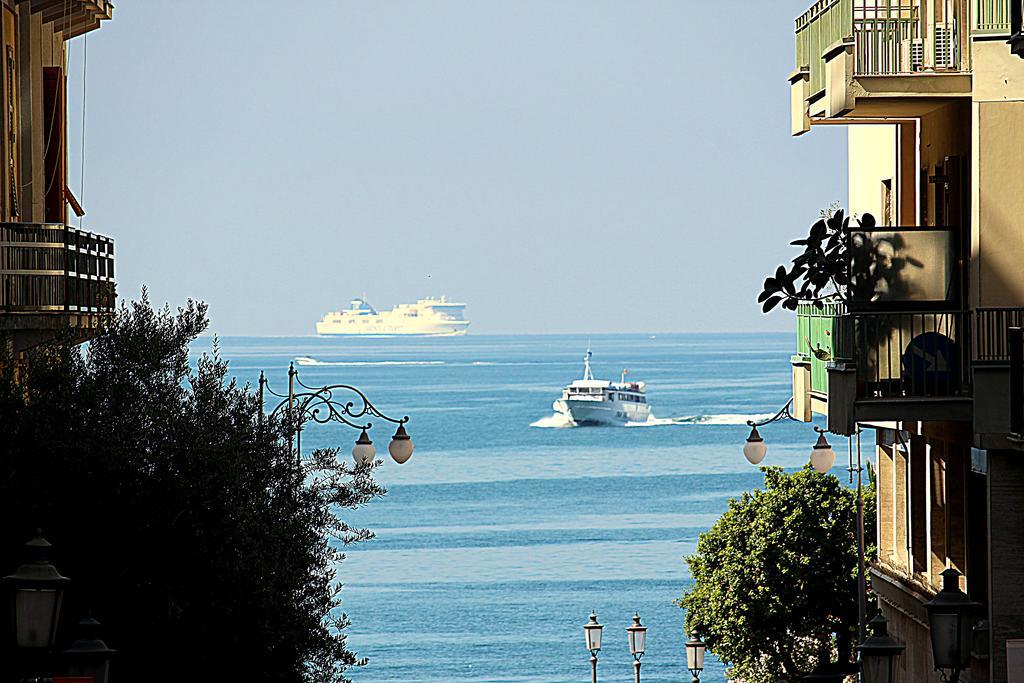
(602, 412)
(385, 330)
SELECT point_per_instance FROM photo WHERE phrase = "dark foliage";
(775, 577)
(826, 267)
(178, 513)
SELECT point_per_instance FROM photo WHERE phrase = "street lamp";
(363, 452)
(338, 403)
(950, 620)
(695, 649)
(592, 630)
(755, 449)
(89, 656)
(38, 592)
(401, 446)
(878, 653)
(637, 639)
(822, 455)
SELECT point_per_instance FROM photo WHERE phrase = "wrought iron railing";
(908, 354)
(50, 268)
(991, 343)
(888, 36)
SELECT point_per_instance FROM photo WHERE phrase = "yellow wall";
(998, 199)
(872, 158)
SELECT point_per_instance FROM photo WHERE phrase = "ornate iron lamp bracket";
(783, 414)
(325, 404)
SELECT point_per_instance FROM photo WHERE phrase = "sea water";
(507, 526)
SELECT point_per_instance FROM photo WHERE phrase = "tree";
(840, 263)
(177, 510)
(775, 577)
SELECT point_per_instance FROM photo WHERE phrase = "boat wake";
(306, 361)
(560, 421)
(554, 421)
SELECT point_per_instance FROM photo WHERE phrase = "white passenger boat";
(590, 401)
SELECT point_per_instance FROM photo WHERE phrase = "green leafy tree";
(179, 513)
(775, 577)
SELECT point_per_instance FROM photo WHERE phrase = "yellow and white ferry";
(428, 317)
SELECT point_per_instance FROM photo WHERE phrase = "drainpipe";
(1016, 342)
(909, 507)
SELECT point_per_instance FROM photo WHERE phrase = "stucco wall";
(998, 202)
(872, 159)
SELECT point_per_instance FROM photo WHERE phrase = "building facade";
(932, 95)
(56, 281)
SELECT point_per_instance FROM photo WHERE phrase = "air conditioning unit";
(911, 55)
(944, 44)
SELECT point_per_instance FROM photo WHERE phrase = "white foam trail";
(302, 360)
(560, 421)
(554, 421)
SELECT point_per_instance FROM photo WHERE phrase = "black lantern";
(951, 618)
(38, 590)
(878, 653)
(695, 650)
(89, 656)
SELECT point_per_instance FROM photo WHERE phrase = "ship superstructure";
(427, 317)
(589, 401)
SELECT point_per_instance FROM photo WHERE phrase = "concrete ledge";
(956, 409)
(924, 84)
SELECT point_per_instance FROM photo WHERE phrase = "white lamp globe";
(364, 452)
(755, 448)
(822, 455)
(401, 446)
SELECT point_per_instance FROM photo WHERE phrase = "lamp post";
(695, 649)
(950, 619)
(637, 640)
(38, 593)
(89, 656)
(340, 403)
(878, 653)
(592, 630)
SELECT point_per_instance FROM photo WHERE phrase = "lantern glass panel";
(695, 657)
(637, 638)
(875, 668)
(593, 638)
(34, 614)
(944, 631)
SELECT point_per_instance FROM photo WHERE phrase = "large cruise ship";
(591, 401)
(426, 317)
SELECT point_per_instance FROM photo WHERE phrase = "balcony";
(53, 277)
(850, 52)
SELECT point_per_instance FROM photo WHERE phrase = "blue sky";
(561, 165)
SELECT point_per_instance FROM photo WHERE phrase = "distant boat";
(306, 360)
(597, 401)
(428, 317)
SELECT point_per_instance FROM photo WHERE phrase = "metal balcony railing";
(908, 354)
(991, 342)
(889, 37)
(51, 268)
(991, 17)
